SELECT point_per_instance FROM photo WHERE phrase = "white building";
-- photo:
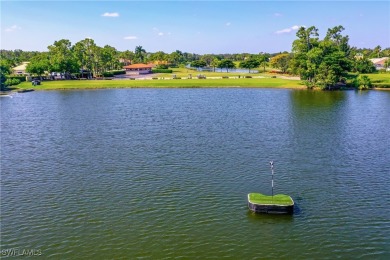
(21, 69)
(379, 63)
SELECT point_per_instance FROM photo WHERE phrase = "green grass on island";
(279, 199)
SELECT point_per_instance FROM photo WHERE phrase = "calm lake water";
(164, 173)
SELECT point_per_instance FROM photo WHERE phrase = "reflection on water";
(316, 99)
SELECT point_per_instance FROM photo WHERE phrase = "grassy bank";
(380, 80)
(166, 83)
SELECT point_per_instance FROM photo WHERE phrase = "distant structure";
(21, 69)
(359, 56)
(379, 63)
(139, 68)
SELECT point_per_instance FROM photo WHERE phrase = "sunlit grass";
(167, 83)
(279, 199)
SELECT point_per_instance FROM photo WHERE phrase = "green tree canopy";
(281, 61)
(250, 64)
(226, 64)
(38, 64)
(198, 64)
(321, 63)
(61, 58)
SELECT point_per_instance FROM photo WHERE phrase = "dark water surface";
(164, 173)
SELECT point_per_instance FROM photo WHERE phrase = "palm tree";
(139, 53)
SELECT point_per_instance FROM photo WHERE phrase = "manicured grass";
(165, 83)
(279, 199)
(380, 80)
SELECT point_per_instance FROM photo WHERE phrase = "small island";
(274, 204)
(277, 204)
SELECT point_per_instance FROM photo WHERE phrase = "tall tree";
(214, 63)
(84, 51)
(281, 61)
(226, 64)
(140, 54)
(109, 57)
(61, 58)
(321, 63)
(5, 70)
(198, 64)
(176, 57)
(263, 59)
(38, 64)
(250, 64)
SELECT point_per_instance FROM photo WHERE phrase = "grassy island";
(279, 199)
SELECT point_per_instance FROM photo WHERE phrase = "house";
(21, 69)
(379, 63)
(125, 61)
(139, 68)
(359, 56)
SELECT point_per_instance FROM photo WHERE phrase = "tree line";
(319, 63)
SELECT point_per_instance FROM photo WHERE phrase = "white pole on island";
(272, 182)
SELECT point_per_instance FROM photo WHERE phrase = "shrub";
(248, 77)
(108, 74)
(225, 77)
(161, 71)
(362, 82)
(118, 72)
(11, 82)
(20, 78)
(162, 66)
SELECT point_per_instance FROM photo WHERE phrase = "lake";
(165, 173)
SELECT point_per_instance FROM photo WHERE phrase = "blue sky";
(190, 26)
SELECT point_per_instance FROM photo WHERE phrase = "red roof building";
(139, 68)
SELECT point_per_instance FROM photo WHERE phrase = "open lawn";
(166, 83)
(380, 80)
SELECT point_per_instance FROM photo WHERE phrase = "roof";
(139, 66)
(379, 61)
(21, 66)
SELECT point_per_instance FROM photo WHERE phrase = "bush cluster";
(12, 82)
(20, 78)
(162, 71)
(118, 72)
(162, 66)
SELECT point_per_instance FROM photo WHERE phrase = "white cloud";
(228, 23)
(160, 34)
(13, 28)
(130, 38)
(110, 14)
(288, 30)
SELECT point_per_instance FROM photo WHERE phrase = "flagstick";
(272, 183)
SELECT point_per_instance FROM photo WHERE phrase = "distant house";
(379, 63)
(359, 56)
(21, 69)
(140, 68)
(125, 61)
